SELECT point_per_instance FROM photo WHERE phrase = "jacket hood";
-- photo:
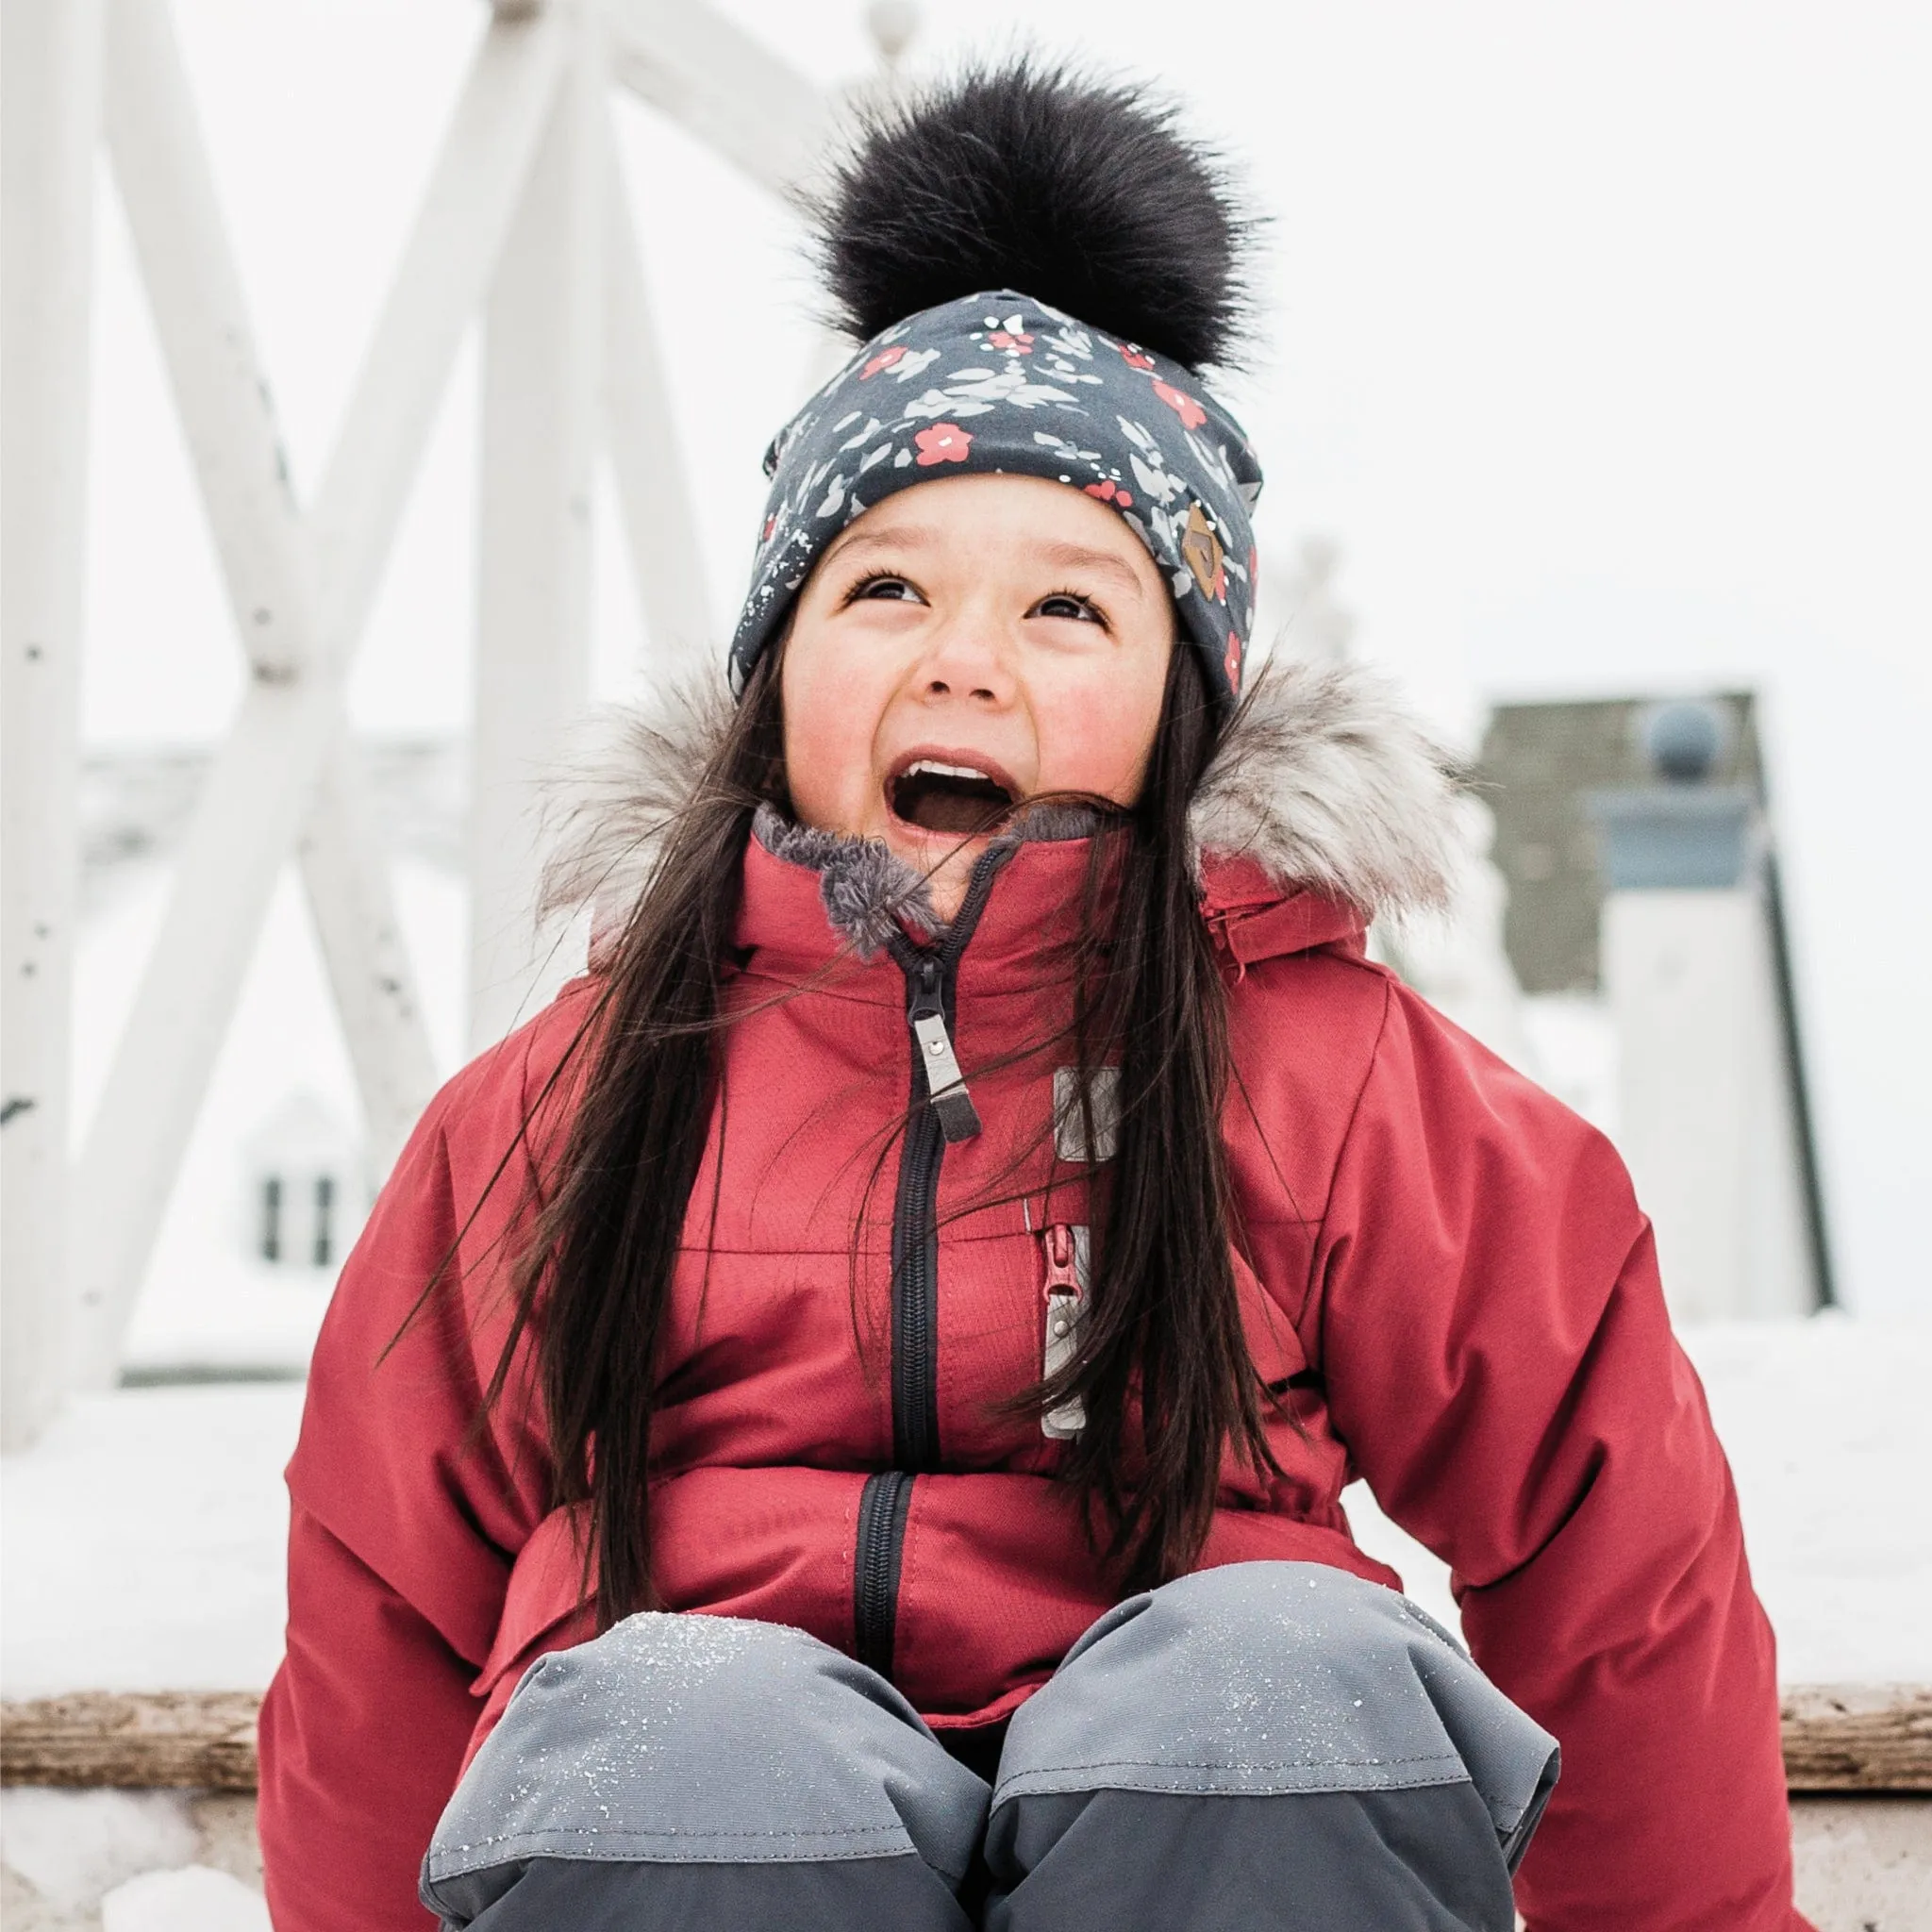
(1323, 783)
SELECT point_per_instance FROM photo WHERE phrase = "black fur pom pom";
(1081, 193)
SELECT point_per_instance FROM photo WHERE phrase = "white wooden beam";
(201, 321)
(270, 770)
(543, 335)
(244, 828)
(229, 420)
(346, 874)
(49, 121)
(653, 491)
(441, 283)
(723, 85)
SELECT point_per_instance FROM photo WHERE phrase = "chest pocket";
(1070, 1119)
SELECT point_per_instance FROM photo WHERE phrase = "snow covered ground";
(142, 1542)
(130, 1861)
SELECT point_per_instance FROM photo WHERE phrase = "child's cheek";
(832, 715)
(1095, 733)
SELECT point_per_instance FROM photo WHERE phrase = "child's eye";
(1071, 604)
(884, 588)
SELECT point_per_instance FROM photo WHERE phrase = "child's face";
(1008, 627)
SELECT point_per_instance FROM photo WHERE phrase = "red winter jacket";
(1444, 1267)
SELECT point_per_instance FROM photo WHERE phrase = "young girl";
(839, 1422)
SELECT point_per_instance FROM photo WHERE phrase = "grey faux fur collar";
(1323, 781)
(868, 888)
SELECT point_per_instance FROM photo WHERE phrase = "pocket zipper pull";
(944, 1082)
(1066, 1302)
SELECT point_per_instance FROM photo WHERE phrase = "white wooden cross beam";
(524, 220)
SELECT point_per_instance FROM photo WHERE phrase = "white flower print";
(1213, 458)
(986, 387)
(1154, 482)
(938, 402)
(1069, 451)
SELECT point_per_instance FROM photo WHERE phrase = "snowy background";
(1593, 334)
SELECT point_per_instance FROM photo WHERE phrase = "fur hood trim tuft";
(1323, 781)
(630, 770)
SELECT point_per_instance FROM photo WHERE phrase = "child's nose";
(966, 662)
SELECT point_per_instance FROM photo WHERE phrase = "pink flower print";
(1191, 414)
(1232, 663)
(945, 443)
(770, 525)
(1020, 343)
(1135, 358)
(1111, 492)
(884, 359)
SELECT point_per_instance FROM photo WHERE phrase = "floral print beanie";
(998, 383)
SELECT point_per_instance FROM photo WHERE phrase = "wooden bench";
(1845, 1738)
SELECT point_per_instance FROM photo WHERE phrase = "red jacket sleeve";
(406, 1521)
(1489, 1320)
(362, 1733)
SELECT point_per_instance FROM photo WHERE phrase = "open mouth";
(939, 797)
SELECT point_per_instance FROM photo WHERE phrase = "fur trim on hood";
(1323, 780)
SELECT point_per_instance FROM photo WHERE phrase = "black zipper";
(931, 986)
(882, 1506)
(916, 1262)
(931, 983)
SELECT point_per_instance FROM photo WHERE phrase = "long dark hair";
(1164, 1371)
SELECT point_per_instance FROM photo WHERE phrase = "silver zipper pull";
(944, 1082)
(1066, 1304)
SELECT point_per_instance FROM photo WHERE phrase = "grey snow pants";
(1265, 1745)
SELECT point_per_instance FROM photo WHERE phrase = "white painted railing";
(524, 221)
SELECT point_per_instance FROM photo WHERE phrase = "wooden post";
(544, 332)
(49, 120)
